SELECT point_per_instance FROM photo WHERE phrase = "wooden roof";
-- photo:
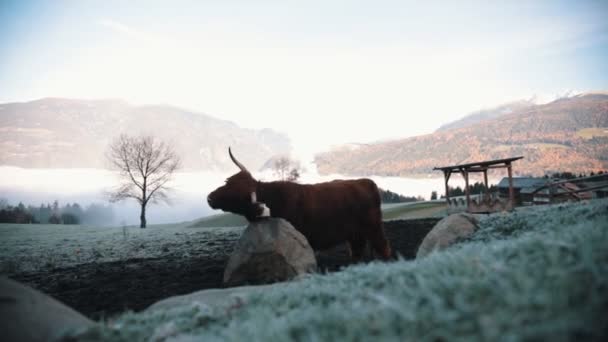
(523, 182)
(481, 164)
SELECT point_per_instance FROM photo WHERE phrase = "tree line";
(387, 196)
(570, 175)
(55, 214)
(474, 189)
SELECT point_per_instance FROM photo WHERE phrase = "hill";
(569, 134)
(67, 133)
(487, 114)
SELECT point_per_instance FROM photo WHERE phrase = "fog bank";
(86, 186)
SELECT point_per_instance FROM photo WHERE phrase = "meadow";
(138, 267)
(35, 247)
(44, 247)
(539, 273)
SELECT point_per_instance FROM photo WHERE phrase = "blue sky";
(325, 72)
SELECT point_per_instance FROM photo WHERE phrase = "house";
(523, 189)
(598, 186)
(561, 192)
(531, 190)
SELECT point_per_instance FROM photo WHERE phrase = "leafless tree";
(286, 169)
(145, 166)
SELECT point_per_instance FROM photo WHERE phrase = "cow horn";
(241, 166)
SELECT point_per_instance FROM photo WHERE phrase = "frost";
(26, 248)
(164, 331)
(536, 274)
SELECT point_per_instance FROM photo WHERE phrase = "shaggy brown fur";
(327, 214)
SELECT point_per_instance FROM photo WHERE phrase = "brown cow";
(327, 214)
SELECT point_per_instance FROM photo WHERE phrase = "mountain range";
(68, 133)
(568, 134)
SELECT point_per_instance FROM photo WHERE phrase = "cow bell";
(261, 205)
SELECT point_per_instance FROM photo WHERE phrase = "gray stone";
(214, 298)
(269, 250)
(447, 232)
(28, 315)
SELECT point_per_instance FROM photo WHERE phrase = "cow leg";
(375, 233)
(379, 243)
(357, 247)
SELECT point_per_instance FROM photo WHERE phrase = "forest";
(55, 213)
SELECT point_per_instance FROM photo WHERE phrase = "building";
(562, 192)
(523, 189)
(485, 203)
(529, 190)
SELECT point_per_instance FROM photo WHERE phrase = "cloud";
(126, 30)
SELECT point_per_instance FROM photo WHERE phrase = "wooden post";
(446, 175)
(511, 194)
(466, 187)
(485, 181)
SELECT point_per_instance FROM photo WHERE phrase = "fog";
(190, 189)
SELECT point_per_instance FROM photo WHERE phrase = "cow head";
(238, 195)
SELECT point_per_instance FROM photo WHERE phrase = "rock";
(214, 298)
(29, 315)
(446, 232)
(269, 250)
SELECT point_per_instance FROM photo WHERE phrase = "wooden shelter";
(570, 189)
(487, 204)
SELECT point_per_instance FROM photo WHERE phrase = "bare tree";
(145, 166)
(286, 169)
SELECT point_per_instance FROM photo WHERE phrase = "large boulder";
(29, 315)
(269, 250)
(447, 232)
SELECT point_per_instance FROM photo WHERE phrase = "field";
(588, 133)
(393, 211)
(539, 273)
(535, 274)
(138, 267)
(35, 247)
(415, 210)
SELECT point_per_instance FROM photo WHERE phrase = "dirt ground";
(100, 290)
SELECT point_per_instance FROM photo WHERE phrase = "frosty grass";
(536, 274)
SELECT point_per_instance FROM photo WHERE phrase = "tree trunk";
(142, 217)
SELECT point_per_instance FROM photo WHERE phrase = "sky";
(323, 72)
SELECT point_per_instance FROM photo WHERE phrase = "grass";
(389, 212)
(414, 210)
(219, 220)
(543, 146)
(588, 133)
(536, 274)
(539, 146)
(38, 247)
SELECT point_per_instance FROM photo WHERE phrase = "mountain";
(67, 133)
(569, 134)
(487, 114)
